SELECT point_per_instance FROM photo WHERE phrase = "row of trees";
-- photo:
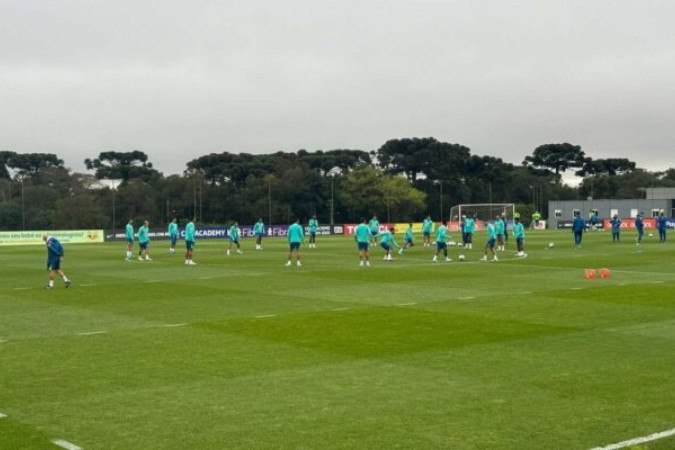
(405, 179)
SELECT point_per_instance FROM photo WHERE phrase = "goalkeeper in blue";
(54, 257)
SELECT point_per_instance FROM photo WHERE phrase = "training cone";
(589, 274)
(604, 273)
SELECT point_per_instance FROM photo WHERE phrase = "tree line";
(405, 179)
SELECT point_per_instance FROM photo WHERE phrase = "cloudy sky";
(179, 79)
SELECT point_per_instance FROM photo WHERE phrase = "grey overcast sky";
(178, 79)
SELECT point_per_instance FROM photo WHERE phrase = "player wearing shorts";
(363, 238)
(408, 239)
(144, 241)
(427, 226)
(233, 235)
(190, 237)
(499, 230)
(173, 235)
(259, 232)
(490, 244)
(129, 235)
(296, 236)
(54, 256)
(312, 227)
(387, 242)
(519, 235)
(441, 242)
(374, 226)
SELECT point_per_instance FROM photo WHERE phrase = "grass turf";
(242, 352)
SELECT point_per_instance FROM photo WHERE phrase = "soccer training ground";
(242, 352)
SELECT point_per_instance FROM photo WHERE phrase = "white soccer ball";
(460, 258)
(551, 245)
(651, 234)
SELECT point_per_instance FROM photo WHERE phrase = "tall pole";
(441, 200)
(23, 208)
(388, 218)
(332, 199)
(113, 215)
(269, 202)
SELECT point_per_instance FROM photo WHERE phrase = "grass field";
(242, 352)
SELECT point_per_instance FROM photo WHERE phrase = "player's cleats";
(67, 283)
(435, 259)
(484, 258)
(48, 287)
(192, 263)
(368, 263)
(147, 258)
(447, 260)
(298, 263)
(288, 263)
(240, 252)
(140, 258)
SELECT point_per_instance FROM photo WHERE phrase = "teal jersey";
(491, 231)
(129, 232)
(427, 225)
(173, 229)
(518, 230)
(233, 233)
(259, 228)
(387, 238)
(143, 236)
(313, 225)
(295, 234)
(374, 226)
(362, 234)
(441, 233)
(469, 225)
(190, 232)
(409, 236)
(499, 227)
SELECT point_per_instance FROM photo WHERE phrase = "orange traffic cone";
(589, 274)
(604, 273)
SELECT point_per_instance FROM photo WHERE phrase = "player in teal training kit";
(469, 230)
(311, 227)
(259, 232)
(441, 242)
(387, 242)
(374, 226)
(233, 235)
(499, 231)
(144, 241)
(490, 244)
(519, 234)
(363, 238)
(427, 227)
(408, 239)
(190, 236)
(173, 235)
(129, 235)
(296, 236)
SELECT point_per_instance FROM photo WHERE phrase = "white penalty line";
(65, 444)
(91, 332)
(639, 440)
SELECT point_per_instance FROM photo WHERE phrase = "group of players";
(579, 227)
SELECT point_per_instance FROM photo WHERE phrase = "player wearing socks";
(363, 238)
(54, 256)
(441, 242)
(661, 225)
(639, 227)
(408, 239)
(616, 228)
(374, 226)
(490, 244)
(387, 242)
(499, 231)
(259, 232)
(296, 235)
(519, 235)
(129, 235)
(144, 241)
(469, 230)
(233, 235)
(173, 235)
(427, 226)
(312, 227)
(190, 236)
(578, 228)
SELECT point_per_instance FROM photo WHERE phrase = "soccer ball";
(551, 245)
(651, 234)
(460, 258)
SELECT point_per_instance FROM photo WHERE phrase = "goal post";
(482, 212)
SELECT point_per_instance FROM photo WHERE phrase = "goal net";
(482, 212)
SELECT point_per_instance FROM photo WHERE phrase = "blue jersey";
(639, 223)
(190, 232)
(579, 224)
(499, 227)
(313, 225)
(469, 225)
(441, 234)
(518, 230)
(491, 231)
(661, 223)
(233, 233)
(616, 225)
(259, 228)
(54, 248)
(362, 234)
(427, 225)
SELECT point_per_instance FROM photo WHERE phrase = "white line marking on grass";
(340, 309)
(175, 325)
(205, 278)
(525, 293)
(3, 340)
(21, 288)
(2, 415)
(265, 315)
(467, 298)
(65, 444)
(154, 281)
(576, 289)
(91, 332)
(639, 440)
(86, 285)
(406, 304)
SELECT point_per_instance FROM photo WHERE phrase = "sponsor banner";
(320, 230)
(629, 224)
(540, 226)
(567, 225)
(222, 232)
(453, 225)
(348, 228)
(64, 236)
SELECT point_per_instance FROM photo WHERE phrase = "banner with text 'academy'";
(221, 232)
(64, 236)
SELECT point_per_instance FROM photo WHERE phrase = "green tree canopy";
(556, 157)
(122, 166)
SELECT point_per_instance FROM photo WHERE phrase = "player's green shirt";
(408, 235)
(259, 227)
(143, 236)
(295, 234)
(362, 234)
(492, 234)
(441, 233)
(518, 230)
(499, 227)
(374, 226)
(190, 232)
(387, 238)
(313, 225)
(233, 233)
(173, 229)
(129, 232)
(427, 225)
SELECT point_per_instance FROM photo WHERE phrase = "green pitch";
(242, 352)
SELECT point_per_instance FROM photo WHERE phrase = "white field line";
(467, 298)
(21, 288)
(3, 340)
(340, 309)
(175, 325)
(91, 332)
(265, 315)
(406, 304)
(154, 281)
(576, 289)
(639, 440)
(65, 444)
(86, 285)
(2, 415)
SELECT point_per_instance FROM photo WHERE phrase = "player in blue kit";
(616, 228)
(469, 230)
(296, 235)
(173, 235)
(363, 238)
(129, 235)
(374, 226)
(578, 229)
(54, 256)
(519, 235)
(499, 231)
(408, 239)
(427, 227)
(639, 227)
(661, 225)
